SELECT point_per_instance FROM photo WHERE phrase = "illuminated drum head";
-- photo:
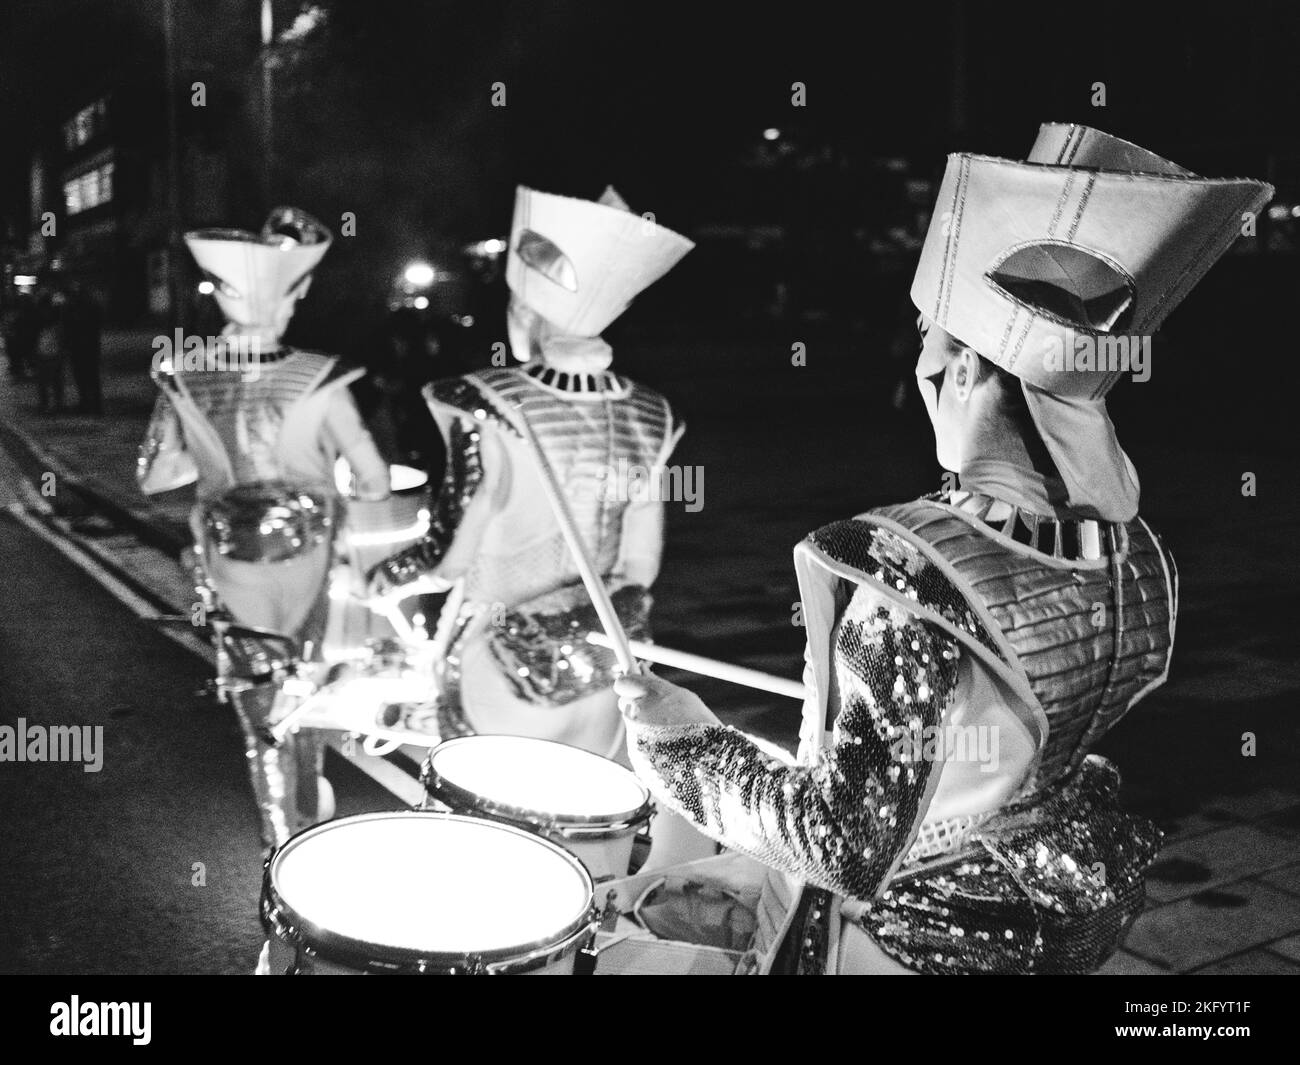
(425, 884)
(400, 478)
(516, 773)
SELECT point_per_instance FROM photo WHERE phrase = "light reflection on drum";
(586, 803)
(418, 892)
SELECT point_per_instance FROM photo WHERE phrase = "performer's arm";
(460, 513)
(839, 824)
(163, 462)
(352, 440)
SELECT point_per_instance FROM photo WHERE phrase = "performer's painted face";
(260, 310)
(258, 278)
(946, 373)
(532, 336)
(522, 328)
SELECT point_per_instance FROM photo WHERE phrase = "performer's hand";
(380, 586)
(649, 700)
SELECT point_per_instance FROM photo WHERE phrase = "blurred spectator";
(81, 341)
(21, 341)
(49, 354)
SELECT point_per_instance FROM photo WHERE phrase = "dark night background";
(384, 109)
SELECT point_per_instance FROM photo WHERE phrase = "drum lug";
(584, 962)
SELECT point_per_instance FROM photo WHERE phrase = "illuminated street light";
(771, 134)
(420, 275)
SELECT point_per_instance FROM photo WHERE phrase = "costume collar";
(1059, 536)
(600, 385)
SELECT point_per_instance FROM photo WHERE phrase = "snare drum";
(375, 529)
(388, 695)
(585, 803)
(416, 892)
(372, 531)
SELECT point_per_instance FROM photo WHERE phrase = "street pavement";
(100, 871)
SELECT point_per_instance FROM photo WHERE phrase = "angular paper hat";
(579, 263)
(260, 270)
(1091, 237)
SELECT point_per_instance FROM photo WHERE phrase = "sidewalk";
(99, 452)
(1225, 894)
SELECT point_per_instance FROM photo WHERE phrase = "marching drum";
(372, 530)
(375, 530)
(586, 803)
(389, 697)
(417, 892)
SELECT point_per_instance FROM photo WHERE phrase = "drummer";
(261, 441)
(514, 656)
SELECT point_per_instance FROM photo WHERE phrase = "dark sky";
(659, 98)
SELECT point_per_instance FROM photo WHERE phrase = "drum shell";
(604, 846)
(285, 960)
(297, 947)
(375, 529)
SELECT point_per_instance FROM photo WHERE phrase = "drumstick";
(709, 667)
(392, 613)
(614, 632)
(282, 727)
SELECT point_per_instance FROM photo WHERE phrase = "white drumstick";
(392, 613)
(708, 667)
(283, 727)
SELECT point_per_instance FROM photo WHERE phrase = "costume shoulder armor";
(891, 559)
(1092, 637)
(467, 396)
(650, 406)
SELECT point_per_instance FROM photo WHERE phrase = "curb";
(162, 534)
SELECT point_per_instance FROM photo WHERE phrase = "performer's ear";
(963, 373)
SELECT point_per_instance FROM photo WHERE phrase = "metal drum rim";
(571, 826)
(280, 919)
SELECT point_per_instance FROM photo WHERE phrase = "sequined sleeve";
(842, 823)
(461, 480)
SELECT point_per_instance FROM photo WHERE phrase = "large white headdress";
(257, 277)
(578, 264)
(1091, 237)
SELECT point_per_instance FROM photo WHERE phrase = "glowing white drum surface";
(426, 892)
(582, 801)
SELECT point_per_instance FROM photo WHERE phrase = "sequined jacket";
(934, 642)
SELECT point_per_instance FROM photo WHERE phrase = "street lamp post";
(173, 168)
(268, 29)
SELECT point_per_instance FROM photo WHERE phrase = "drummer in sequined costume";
(968, 650)
(515, 660)
(259, 425)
